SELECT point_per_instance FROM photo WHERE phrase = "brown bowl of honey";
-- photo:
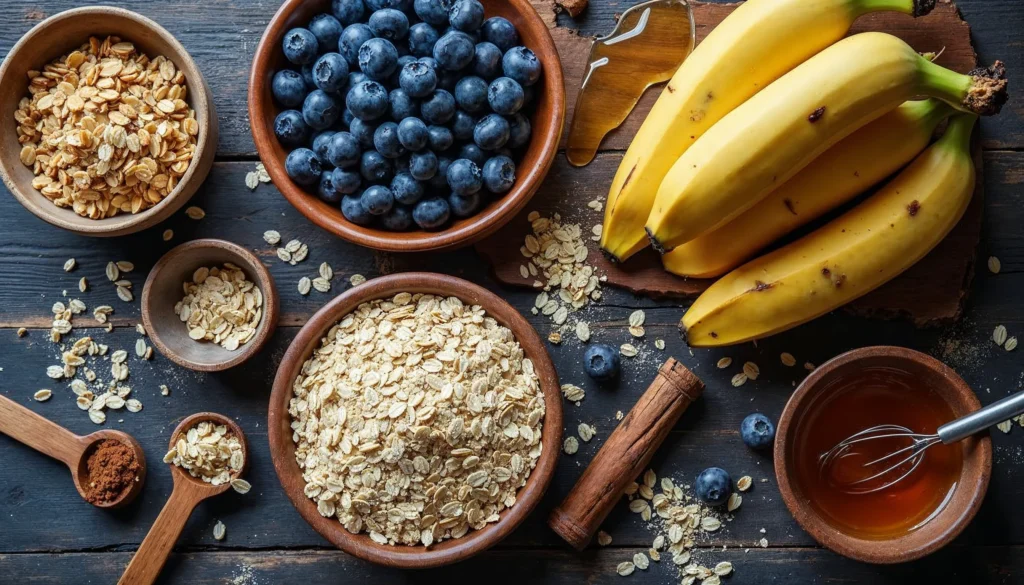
(842, 491)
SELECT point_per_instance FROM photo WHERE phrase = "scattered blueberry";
(500, 32)
(321, 146)
(519, 131)
(346, 182)
(320, 110)
(431, 214)
(505, 96)
(378, 59)
(389, 23)
(290, 128)
(377, 200)
(487, 60)
(474, 153)
(348, 11)
(326, 191)
(464, 177)
(438, 108)
(441, 138)
(406, 189)
(353, 211)
(343, 150)
(491, 132)
(303, 167)
(423, 165)
(326, 29)
(464, 205)
(433, 12)
(521, 64)
(399, 219)
(300, 46)
(385, 140)
(330, 73)
(422, 38)
(757, 431)
(454, 51)
(413, 134)
(439, 182)
(402, 105)
(363, 132)
(368, 100)
(713, 486)
(466, 15)
(601, 362)
(375, 168)
(418, 79)
(471, 94)
(352, 38)
(499, 174)
(289, 88)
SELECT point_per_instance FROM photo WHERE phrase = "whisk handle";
(980, 420)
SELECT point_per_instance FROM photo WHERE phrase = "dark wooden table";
(49, 535)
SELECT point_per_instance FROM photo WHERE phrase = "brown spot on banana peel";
(761, 286)
(816, 115)
(670, 89)
(789, 205)
(826, 272)
(629, 177)
(913, 208)
(987, 93)
(840, 280)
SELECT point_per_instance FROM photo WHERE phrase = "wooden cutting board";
(930, 293)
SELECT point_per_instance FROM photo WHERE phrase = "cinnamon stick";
(625, 454)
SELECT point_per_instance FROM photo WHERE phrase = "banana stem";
(982, 92)
(914, 7)
(958, 132)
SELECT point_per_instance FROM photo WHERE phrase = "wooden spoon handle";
(145, 566)
(25, 426)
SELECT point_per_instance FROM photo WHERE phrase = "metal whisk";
(902, 462)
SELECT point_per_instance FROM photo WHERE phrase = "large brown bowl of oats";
(415, 420)
(108, 126)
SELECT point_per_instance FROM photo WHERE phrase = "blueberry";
(378, 59)
(320, 110)
(351, 40)
(757, 431)
(348, 11)
(389, 23)
(300, 46)
(429, 62)
(413, 134)
(377, 200)
(346, 182)
(363, 132)
(471, 94)
(433, 12)
(474, 153)
(382, 4)
(406, 189)
(346, 117)
(385, 140)
(454, 51)
(289, 88)
(353, 211)
(464, 205)
(368, 100)
(291, 130)
(330, 73)
(521, 64)
(438, 108)
(713, 486)
(343, 150)
(418, 79)
(491, 132)
(375, 168)
(601, 362)
(321, 145)
(439, 182)
(422, 38)
(431, 214)
(463, 126)
(423, 165)
(499, 174)
(466, 15)
(487, 60)
(519, 131)
(326, 191)
(464, 177)
(473, 36)
(440, 138)
(402, 106)
(501, 32)
(327, 31)
(303, 167)
(399, 219)
(505, 96)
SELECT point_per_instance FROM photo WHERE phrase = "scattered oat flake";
(809, 366)
(583, 331)
(356, 279)
(999, 335)
(603, 538)
(787, 359)
(744, 483)
(724, 363)
(994, 265)
(710, 523)
(164, 390)
(637, 318)
(555, 337)
(739, 379)
(304, 285)
(252, 180)
(640, 561)
(627, 350)
(723, 568)
(625, 568)
(751, 370)
(1005, 426)
(22, 332)
(763, 543)
(219, 529)
(83, 284)
(168, 235)
(1011, 344)
(113, 272)
(69, 265)
(321, 284)
(570, 445)
(125, 266)
(241, 486)
(586, 432)
(735, 500)
(659, 344)
(572, 392)
(42, 395)
(194, 212)
(272, 237)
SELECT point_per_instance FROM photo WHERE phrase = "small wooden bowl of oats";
(108, 126)
(209, 305)
(406, 426)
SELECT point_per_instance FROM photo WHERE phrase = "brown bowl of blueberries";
(407, 125)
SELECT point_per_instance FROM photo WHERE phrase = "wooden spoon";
(188, 491)
(49, 438)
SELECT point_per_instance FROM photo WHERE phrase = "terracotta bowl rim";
(945, 527)
(253, 268)
(546, 138)
(282, 447)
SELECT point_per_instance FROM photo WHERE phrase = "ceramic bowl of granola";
(108, 125)
(209, 305)
(415, 420)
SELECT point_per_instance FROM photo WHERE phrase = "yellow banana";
(770, 137)
(849, 257)
(756, 44)
(844, 171)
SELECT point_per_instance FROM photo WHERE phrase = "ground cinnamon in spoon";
(113, 469)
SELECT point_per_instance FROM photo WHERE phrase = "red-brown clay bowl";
(60, 34)
(163, 290)
(548, 118)
(282, 448)
(962, 505)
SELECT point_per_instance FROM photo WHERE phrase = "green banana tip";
(987, 92)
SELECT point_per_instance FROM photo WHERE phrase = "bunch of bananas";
(772, 122)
